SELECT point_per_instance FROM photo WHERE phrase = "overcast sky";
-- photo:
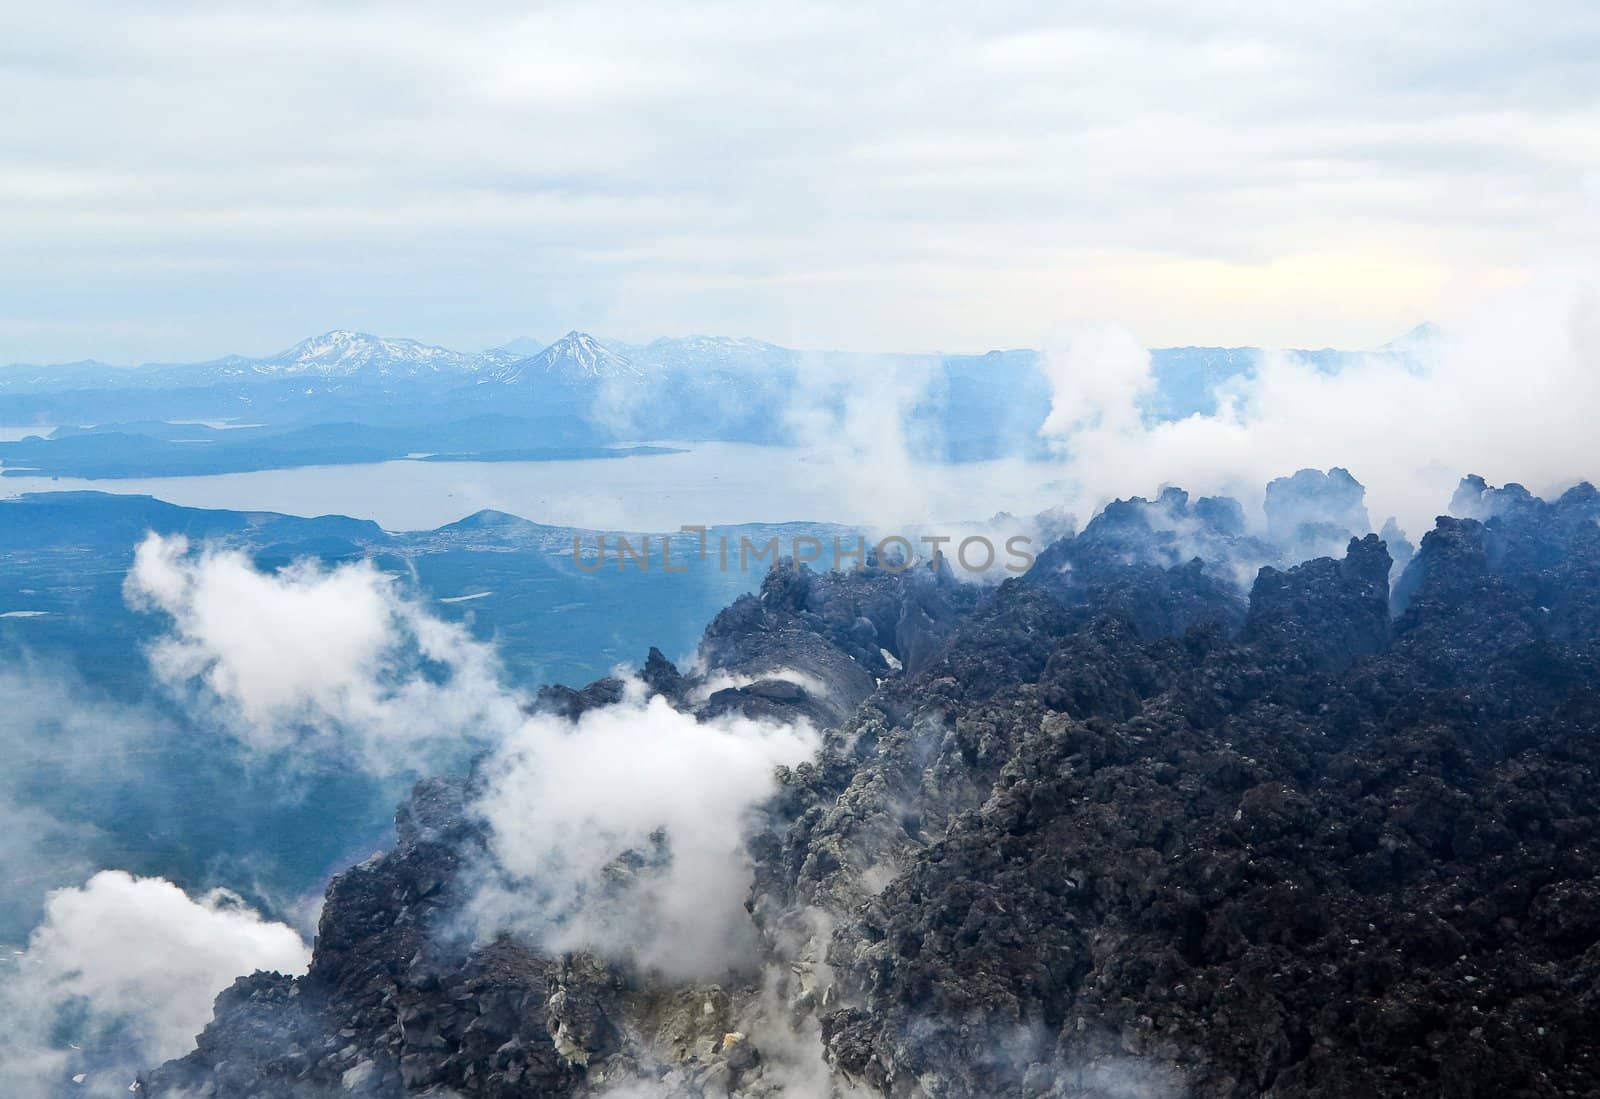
(177, 182)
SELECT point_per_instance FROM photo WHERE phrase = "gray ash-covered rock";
(1325, 856)
(1115, 828)
(1323, 614)
(401, 999)
(390, 1005)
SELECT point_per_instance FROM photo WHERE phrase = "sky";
(182, 181)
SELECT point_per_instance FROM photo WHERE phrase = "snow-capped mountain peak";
(342, 353)
(577, 356)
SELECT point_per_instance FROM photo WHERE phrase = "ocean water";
(711, 484)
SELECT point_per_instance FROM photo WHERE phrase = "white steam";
(336, 658)
(121, 975)
(624, 833)
(1509, 392)
(1097, 379)
(851, 414)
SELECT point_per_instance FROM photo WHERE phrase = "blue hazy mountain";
(347, 397)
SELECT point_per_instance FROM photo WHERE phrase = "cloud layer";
(874, 177)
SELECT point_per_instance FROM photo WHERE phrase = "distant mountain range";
(580, 391)
(342, 354)
(575, 357)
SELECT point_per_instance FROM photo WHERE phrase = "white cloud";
(566, 800)
(1509, 392)
(126, 970)
(330, 659)
(836, 175)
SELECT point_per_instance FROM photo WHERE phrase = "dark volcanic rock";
(573, 704)
(390, 1006)
(662, 677)
(1318, 860)
(814, 645)
(1323, 614)
(1109, 829)
(398, 1002)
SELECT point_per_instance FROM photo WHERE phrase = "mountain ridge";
(341, 352)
